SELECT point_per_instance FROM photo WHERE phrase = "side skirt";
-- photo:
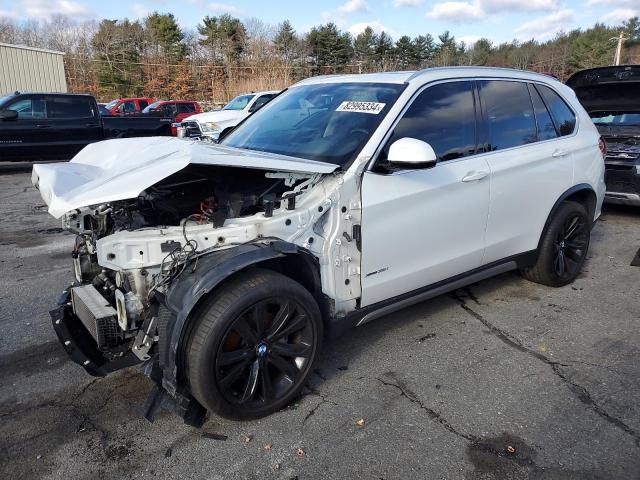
(365, 315)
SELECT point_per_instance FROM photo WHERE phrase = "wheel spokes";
(572, 228)
(291, 349)
(289, 369)
(233, 374)
(280, 319)
(234, 356)
(246, 331)
(560, 263)
(260, 318)
(298, 322)
(252, 382)
(265, 381)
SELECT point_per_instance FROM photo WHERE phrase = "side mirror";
(8, 115)
(411, 153)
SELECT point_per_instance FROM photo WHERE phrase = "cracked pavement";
(502, 380)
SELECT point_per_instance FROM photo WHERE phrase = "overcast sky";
(468, 20)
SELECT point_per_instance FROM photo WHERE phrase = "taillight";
(603, 147)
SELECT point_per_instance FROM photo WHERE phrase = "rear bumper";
(623, 183)
(80, 345)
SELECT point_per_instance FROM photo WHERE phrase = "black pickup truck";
(56, 126)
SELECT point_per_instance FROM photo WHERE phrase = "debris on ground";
(360, 423)
(343, 368)
(300, 453)
(276, 466)
(268, 446)
(426, 337)
(214, 436)
(636, 260)
(246, 438)
(510, 449)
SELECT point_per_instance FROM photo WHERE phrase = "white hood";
(218, 116)
(121, 169)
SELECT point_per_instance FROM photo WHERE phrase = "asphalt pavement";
(503, 380)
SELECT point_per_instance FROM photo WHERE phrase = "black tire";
(564, 247)
(243, 369)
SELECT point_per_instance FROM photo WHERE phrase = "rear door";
(422, 226)
(27, 137)
(531, 165)
(184, 110)
(75, 122)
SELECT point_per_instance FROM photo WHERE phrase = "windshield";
(4, 99)
(239, 102)
(325, 122)
(616, 118)
(151, 107)
(112, 104)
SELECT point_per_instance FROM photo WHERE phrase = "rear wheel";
(563, 248)
(253, 345)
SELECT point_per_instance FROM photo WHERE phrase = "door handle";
(474, 175)
(43, 126)
(559, 153)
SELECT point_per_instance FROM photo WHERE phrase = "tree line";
(225, 56)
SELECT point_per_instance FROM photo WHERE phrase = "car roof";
(428, 74)
(175, 101)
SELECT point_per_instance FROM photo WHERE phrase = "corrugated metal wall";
(26, 69)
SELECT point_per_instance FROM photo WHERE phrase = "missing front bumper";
(80, 345)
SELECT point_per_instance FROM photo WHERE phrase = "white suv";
(211, 125)
(221, 267)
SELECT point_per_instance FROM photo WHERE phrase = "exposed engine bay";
(151, 239)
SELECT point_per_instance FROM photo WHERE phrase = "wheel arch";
(582, 193)
(190, 291)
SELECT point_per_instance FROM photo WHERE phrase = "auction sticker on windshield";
(361, 107)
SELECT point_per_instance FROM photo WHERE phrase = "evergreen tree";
(404, 52)
(329, 47)
(286, 42)
(164, 32)
(224, 37)
(423, 50)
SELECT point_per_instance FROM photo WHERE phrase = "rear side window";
(143, 104)
(509, 112)
(70, 107)
(546, 128)
(443, 116)
(563, 117)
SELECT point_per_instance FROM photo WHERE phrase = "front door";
(422, 226)
(29, 136)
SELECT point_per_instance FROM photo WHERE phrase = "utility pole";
(620, 39)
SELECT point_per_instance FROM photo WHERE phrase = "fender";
(581, 187)
(198, 280)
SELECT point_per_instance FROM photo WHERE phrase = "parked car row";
(56, 126)
(220, 267)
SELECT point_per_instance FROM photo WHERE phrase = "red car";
(180, 109)
(127, 106)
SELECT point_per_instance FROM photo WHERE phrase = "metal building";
(27, 69)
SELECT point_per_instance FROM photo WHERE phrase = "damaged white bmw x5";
(221, 268)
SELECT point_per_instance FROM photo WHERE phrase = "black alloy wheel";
(570, 245)
(252, 345)
(563, 246)
(263, 353)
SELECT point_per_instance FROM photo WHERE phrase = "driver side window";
(30, 108)
(444, 116)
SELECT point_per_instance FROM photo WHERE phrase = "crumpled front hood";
(217, 116)
(121, 169)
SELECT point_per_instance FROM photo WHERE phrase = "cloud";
(456, 12)
(407, 3)
(469, 40)
(352, 6)
(496, 6)
(377, 26)
(225, 8)
(8, 14)
(546, 27)
(45, 9)
(139, 10)
(464, 12)
(619, 15)
(617, 3)
(338, 16)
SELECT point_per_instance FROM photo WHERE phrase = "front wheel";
(253, 345)
(564, 247)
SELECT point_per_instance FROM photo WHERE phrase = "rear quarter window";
(70, 107)
(563, 117)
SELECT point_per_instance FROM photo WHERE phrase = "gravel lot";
(444, 387)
